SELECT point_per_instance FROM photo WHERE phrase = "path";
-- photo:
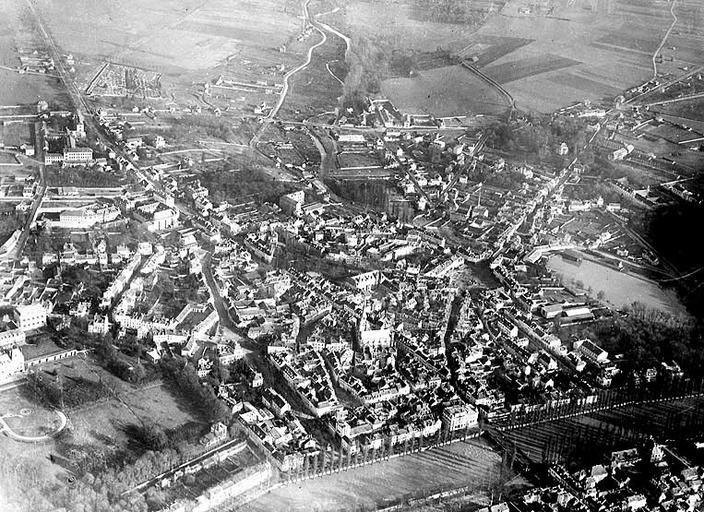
(287, 76)
(664, 39)
(496, 85)
(4, 427)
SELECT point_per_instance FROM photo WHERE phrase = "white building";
(11, 363)
(77, 156)
(163, 219)
(591, 351)
(83, 218)
(30, 317)
(292, 203)
(459, 417)
(12, 337)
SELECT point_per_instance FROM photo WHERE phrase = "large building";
(459, 417)
(82, 218)
(11, 363)
(292, 203)
(591, 351)
(77, 156)
(165, 218)
(30, 317)
(12, 337)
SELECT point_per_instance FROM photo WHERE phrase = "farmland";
(168, 35)
(16, 31)
(583, 49)
(546, 55)
(466, 463)
(444, 91)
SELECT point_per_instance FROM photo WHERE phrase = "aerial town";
(274, 275)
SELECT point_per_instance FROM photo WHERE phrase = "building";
(77, 156)
(83, 218)
(30, 317)
(166, 218)
(11, 363)
(53, 158)
(292, 203)
(591, 351)
(366, 281)
(12, 337)
(275, 402)
(459, 417)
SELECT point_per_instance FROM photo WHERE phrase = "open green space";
(471, 463)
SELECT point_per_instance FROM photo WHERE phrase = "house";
(12, 336)
(275, 402)
(459, 417)
(30, 317)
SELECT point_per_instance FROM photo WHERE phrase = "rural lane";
(287, 76)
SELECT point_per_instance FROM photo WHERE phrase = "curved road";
(496, 85)
(287, 76)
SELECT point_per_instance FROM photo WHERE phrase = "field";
(456, 465)
(399, 23)
(16, 31)
(445, 91)
(167, 34)
(185, 43)
(547, 57)
(586, 49)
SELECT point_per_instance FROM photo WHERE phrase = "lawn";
(456, 465)
(105, 421)
(16, 32)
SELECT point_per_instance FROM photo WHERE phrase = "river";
(620, 288)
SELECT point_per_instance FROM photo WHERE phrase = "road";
(676, 100)
(496, 85)
(664, 39)
(4, 427)
(332, 30)
(284, 91)
(169, 473)
(37, 201)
